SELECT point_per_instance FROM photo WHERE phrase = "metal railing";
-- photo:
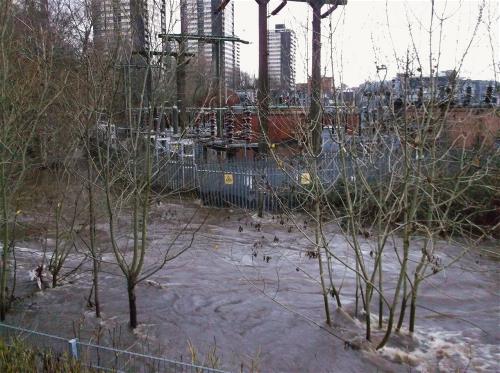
(243, 183)
(283, 184)
(98, 357)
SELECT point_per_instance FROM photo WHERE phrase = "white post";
(73, 349)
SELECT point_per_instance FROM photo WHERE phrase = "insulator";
(197, 123)
(212, 125)
(247, 126)
(229, 124)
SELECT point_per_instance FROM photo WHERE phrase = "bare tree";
(29, 86)
(394, 183)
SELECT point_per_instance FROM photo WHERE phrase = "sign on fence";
(228, 179)
(247, 182)
(305, 178)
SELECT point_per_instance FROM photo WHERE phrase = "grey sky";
(377, 31)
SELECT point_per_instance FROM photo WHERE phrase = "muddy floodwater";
(246, 288)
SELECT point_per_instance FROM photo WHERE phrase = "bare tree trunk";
(318, 242)
(406, 243)
(95, 280)
(390, 321)
(54, 268)
(413, 303)
(380, 300)
(334, 290)
(379, 256)
(402, 312)
(5, 248)
(367, 311)
(132, 306)
(357, 290)
(93, 251)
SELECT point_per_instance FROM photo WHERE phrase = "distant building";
(202, 20)
(346, 96)
(445, 88)
(127, 31)
(302, 94)
(281, 45)
(121, 28)
(378, 101)
(463, 92)
(327, 92)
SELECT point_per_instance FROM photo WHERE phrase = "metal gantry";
(315, 112)
(263, 91)
(218, 41)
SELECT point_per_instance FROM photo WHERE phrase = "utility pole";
(140, 56)
(263, 89)
(182, 61)
(217, 39)
(181, 69)
(315, 108)
(219, 60)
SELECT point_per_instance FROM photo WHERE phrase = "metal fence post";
(73, 348)
(175, 120)
(99, 358)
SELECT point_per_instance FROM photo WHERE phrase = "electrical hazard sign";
(228, 179)
(305, 178)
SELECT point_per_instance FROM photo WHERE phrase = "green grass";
(18, 357)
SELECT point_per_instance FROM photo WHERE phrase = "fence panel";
(176, 175)
(96, 356)
(37, 340)
(280, 184)
(115, 360)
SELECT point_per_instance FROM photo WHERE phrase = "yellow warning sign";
(305, 178)
(228, 179)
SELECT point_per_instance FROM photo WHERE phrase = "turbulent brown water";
(266, 310)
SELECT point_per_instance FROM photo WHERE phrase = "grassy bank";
(18, 357)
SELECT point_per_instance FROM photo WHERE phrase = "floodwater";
(253, 294)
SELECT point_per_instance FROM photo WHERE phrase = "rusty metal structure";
(217, 121)
(218, 41)
(229, 126)
(263, 92)
(212, 125)
(315, 111)
(247, 126)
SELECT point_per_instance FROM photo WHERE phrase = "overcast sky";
(366, 33)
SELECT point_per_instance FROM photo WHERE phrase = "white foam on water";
(447, 351)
